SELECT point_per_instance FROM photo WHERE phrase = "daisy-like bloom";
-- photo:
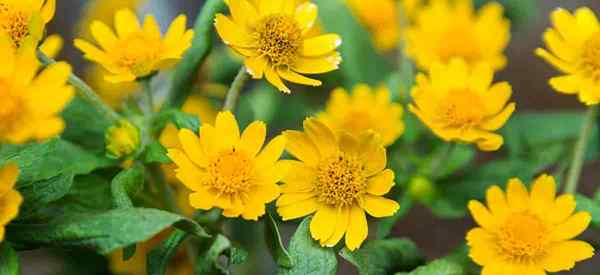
(273, 37)
(449, 29)
(574, 45)
(122, 139)
(364, 110)
(31, 103)
(135, 51)
(339, 177)
(523, 232)
(22, 18)
(10, 199)
(227, 170)
(459, 103)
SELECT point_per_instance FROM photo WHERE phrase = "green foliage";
(125, 185)
(156, 153)
(381, 257)
(180, 119)
(208, 260)
(438, 267)
(38, 194)
(590, 205)
(275, 244)
(9, 263)
(85, 125)
(159, 257)
(308, 257)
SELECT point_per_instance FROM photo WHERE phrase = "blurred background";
(434, 236)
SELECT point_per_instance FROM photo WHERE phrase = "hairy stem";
(579, 151)
(234, 90)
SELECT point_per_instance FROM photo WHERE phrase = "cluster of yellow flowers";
(339, 172)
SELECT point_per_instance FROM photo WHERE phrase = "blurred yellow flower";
(31, 103)
(103, 11)
(459, 103)
(447, 29)
(113, 94)
(10, 199)
(339, 179)
(22, 18)
(228, 170)
(364, 110)
(273, 39)
(135, 51)
(574, 45)
(122, 139)
(525, 232)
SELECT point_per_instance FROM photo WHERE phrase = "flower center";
(10, 110)
(340, 179)
(459, 41)
(14, 22)
(137, 53)
(279, 39)
(230, 172)
(589, 61)
(460, 109)
(357, 121)
(522, 237)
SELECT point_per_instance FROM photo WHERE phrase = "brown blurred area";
(527, 74)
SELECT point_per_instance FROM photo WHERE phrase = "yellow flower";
(122, 139)
(364, 110)
(525, 232)
(339, 178)
(103, 11)
(448, 29)
(31, 103)
(10, 199)
(113, 94)
(459, 103)
(230, 171)
(381, 19)
(135, 51)
(22, 18)
(574, 45)
(273, 39)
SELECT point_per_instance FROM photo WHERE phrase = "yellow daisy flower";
(364, 110)
(273, 39)
(31, 103)
(381, 19)
(228, 170)
(448, 29)
(525, 232)
(339, 178)
(103, 11)
(22, 18)
(135, 51)
(10, 199)
(574, 45)
(113, 94)
(459, 103)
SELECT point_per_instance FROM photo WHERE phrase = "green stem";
(579, 151)
(84, 91)
(234, 90)
(147, 97)
(438, 162)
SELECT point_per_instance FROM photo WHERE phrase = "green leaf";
(41, 161)
(156, 153)
(126, 185)
(592, 206)
(361, 62)
(159, 257)
(181, 120)
(187, 70)
(275, 244)
(237, 255)
(9, 263)
(308, 256)
(88, 194)
(439, 267)
(385, 225)
(85, 126)
(208, 260)
(381, 257)
(38, 194)
(103, 232)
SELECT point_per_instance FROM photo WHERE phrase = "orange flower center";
(589, 61)
(14, 22)
(340, 179)
(459, 40)
(137, 54)
(460, 109)
(230, 172)
(279, 39)
(522, 237)
(12, 106)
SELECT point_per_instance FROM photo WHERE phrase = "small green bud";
(422, 189)
(122, 139)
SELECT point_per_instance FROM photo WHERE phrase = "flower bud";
(422, 189)
(122, 139)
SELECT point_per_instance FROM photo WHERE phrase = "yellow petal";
(8, 178)
(358, 229)
(571, 228)
(487, 141)
(322, 224)
(202, 199)
(228, 131)
(497, 121)
(322, 136)
(52, 45)
(253, 211)
(341, 224)
(273, 77)
(293, 198)
(381, 183)
(9, 206)
(587, 22)
(497, 97)
(496, 202)
(543, 192)
(48, 10)
(317, 65)
(482, 246)
(558, 45)
(299, 178)
(481, 215)
(176, 30)
(297, 210)
(209, 139)
(481, 78)
(349, 144)
(192, 147)
(91, 52)
(256, 66)
(104, 35)
(267, 7)
(554, 61)
(321, 45)
(562, 208)
(151, 27)
(568, 84)
(236, 209)
(517, 195)
(372, 153)
(126, 23)
(565, 24)
(377, 206)
(265, 193)
(306, 15)
(271, 153)
(231, 33)
(253, 138)
(243, 12)
(563, 255)
(302, 147)
(186, 172)
(294, 77)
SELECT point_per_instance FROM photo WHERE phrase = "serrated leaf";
(381, 257)
(159, 257)
(275, 244)
(9, 263)
(38, 194)
(308, 256)
(104, 232)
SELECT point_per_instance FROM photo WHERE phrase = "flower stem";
(234, 90)
(579, 151)
(84, 91)
(438, 162)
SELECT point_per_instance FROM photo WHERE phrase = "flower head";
(339, 177)
(22, 18)
(135, 51)
(574, 45)
(31, 103)
(273, 37)
(227, 170)
(364, 110)
(381, 19)
(459, 103)
(450, 29)
(525, 232)
(10, 199)
(103, 11)
(122, 139)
